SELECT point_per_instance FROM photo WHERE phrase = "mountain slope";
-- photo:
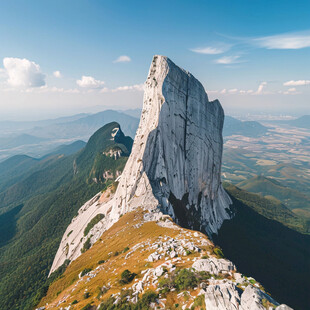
(20, 140)
(68, 149)
(145, 261)
(292, 198)
(270, 208)
(277, 256)
(49, 198)
(17, 168)
(233, 126)
(300, 122)
(84, 127)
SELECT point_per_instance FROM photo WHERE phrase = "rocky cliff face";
(174, 166)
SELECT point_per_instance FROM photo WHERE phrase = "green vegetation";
(127, 276)
(182, 279)
(86, 245)
(74, 302)
(199, 302)
(143, 303)
(85, 271)
(267, 187)
(92, 223)
(185, 279)
(50, 194)
(267, 249)
(87, 307)
(270, 209)
(218, 252)
(86, 295)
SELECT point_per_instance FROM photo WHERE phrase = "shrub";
(87, 307)
(199, 302)
(205, 256)
(93, 222)
(188, 252)
(126, 249)
(148, 297)
(185, 279)
(86, 295)
(218, 252)
(101, 261)
(127, 276)
(86, 245)
(74, 302)
(85, 271)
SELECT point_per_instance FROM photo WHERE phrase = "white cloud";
(57, 74)
(284, 41)
(227, 60)
(89, 82)
(212, 91)
(212, 50)
(260, 88)
(123, 58)
(137, 87)
(23, 73)
(233, 91)
(223, 91)
(297, 83)
(293, 89)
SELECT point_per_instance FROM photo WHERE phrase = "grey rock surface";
(214, 265)
(174, 166)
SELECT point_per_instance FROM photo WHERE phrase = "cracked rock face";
(176, 158)
(175, 164)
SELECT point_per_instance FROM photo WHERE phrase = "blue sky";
(64, 57)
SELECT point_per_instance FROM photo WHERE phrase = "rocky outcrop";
(227, 296)
(167, 260)
(174, 165)
(214, 266)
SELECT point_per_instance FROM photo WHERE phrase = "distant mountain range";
(233, 126)
(300, 122)
(273, 189)
(84, 127)
(41, 137)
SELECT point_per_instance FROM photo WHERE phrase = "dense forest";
(36, 211)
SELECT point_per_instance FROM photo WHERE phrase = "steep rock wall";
(174, 166)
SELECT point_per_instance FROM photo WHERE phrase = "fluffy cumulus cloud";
(57, 74)
(23, 73)
(123, 58)
(297, 83)
(89, 82)
(227, 60)
(284, 41)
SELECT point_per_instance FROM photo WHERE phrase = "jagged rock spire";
(175, 163)
(174, 166)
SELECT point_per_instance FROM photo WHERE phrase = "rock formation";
(175, 162)
(173, 171)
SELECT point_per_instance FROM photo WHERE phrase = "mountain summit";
(175, 163)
